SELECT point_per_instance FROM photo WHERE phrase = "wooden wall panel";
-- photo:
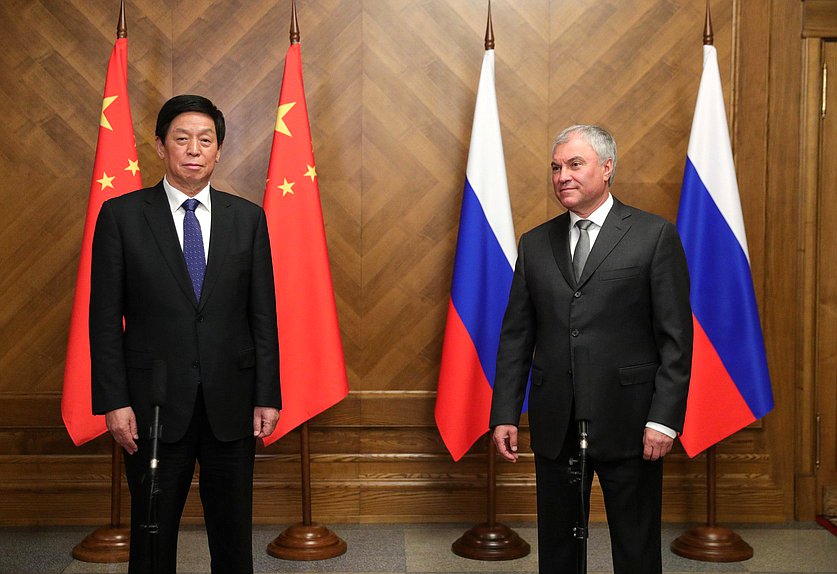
(390, 89)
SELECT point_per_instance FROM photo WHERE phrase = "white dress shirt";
(203, 212)
(598, 218)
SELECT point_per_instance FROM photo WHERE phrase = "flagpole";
(110, 544)
(710, 542)
(490, 540)
(305, 540)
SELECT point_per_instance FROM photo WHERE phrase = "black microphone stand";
(158, 399)
(578, 473)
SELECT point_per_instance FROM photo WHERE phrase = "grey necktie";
(582, 248)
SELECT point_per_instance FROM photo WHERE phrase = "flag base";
(307, 542)
(104, 545)
(491, 542)
(712, 544)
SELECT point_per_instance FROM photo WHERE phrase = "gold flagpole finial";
(489, 30)
(121, 26)
(708, 36)
(294, 24)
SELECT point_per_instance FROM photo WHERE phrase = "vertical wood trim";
(805, 488)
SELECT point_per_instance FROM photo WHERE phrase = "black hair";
(188, 103)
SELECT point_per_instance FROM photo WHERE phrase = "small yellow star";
(280, 121)
(312, 172)
(105, 103)
(287, 188)
(133, 166)
(106, 181)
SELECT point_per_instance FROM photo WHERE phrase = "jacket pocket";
(537, 377)
(247, 359)
(638, 374)
(621, 273)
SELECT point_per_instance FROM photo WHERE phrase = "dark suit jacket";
(227, 342)
(615, 347)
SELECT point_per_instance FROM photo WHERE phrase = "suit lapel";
(158, 215)
(615, 227)
(559, 239)
(222, 228)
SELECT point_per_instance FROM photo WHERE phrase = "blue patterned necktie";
(193, 246)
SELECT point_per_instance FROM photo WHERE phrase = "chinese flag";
(312, 369)
(115, 171)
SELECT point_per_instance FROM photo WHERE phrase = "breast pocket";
(617, 274)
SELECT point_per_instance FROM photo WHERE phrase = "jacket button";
(196, 364)
(577, 294)
(574, 332)
(200, 318)
(570, 372)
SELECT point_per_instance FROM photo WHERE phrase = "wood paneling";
(390, 88)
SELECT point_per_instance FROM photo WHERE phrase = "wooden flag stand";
(710, 542)
(306, 540)
(491, 540)
(110, 543)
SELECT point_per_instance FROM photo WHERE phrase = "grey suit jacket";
(613, 348)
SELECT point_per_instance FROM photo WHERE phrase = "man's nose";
(193, 147)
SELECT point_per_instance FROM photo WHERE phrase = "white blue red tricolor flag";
(730, 386)
(482, 274)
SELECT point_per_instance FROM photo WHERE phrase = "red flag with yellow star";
(311, 365)
(115, 171)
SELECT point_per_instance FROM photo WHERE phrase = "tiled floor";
(424, 548)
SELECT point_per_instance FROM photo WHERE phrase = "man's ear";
(607, 168)
(160, 146)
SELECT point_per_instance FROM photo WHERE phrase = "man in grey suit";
(182, 277)
(599, 311)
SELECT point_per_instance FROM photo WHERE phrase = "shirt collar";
(177, 197)
(598, 217)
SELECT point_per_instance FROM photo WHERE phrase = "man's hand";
(657, 444)
(505, 437)
(122, 425)
(264, 421)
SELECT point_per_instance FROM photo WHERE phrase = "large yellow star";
(280, 121)
(312, 172)
(105, 103)
(287, 187)
(106, 181)
(133, 166)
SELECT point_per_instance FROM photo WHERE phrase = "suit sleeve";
(262, 311)
(514, 353)
(107, 292)
(673, 329)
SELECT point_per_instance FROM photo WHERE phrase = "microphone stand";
(152, 526)
(578, 473)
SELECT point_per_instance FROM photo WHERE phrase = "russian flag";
(730, 385)
(482, 274)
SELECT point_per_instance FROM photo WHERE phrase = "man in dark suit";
(599, 310)
(188, 269)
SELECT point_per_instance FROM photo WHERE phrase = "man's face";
(190, 152)
(580, 183)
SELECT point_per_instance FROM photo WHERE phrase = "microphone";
(158, 399)
(158, 383)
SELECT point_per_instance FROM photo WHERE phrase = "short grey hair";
(597, 138)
